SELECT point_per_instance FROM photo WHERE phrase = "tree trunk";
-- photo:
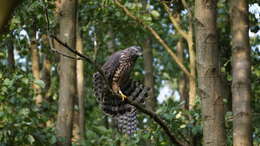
(36, 70)
(46, 76)
(183, 81)
(209, 83)
(149, 79)
(10, 59)
(46, 70)
(241, 73)
(67, 73)
(192, 65)
(80, 87)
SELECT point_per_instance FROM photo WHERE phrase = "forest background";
(201, 61)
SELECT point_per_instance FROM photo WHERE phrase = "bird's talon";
(122, 95)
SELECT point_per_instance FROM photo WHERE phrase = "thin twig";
(61, 53)
(88, 59)
(45, 8)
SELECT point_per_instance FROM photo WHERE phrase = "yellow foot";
(122, 95)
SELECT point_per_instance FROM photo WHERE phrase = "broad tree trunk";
(209, 83)
(241, 73)
(183, 80)
(80, 87)
(67, 73)
(36, 70)
(149, 79)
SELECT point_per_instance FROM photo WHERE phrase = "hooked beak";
(140, 51)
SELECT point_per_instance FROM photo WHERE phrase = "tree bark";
(192, 65)
(10, 58)
(80, 87)
(148, 78)
(241, 69)
(46, 70)
(209, 83)
(67, 73)
(183, 81)
(36, 70)
(46, 76)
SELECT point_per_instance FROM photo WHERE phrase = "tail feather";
(127, 123)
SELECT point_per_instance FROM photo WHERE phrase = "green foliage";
(22, 122)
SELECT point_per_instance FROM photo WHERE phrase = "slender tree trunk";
(149, 79)
(46, 70)
(192, 65)
(46, 76)
(36, 70)
(209, 83)
(241, 68)
(80, 87)
(183, 81)
(10, 59)
(67, 73)
(183, 85)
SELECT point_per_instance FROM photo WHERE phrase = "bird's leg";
(118, 91)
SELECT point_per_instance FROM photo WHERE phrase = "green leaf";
(25, 80)
(39, 83)
(155, 14)
(8, 82)
(31, 139)
(53, 140)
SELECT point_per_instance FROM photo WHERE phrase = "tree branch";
(89, 60)
(157, 119)
(175, 22)
(156, 35)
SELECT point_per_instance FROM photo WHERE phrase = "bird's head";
(135, 51)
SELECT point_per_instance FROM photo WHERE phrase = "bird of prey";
(117, 70)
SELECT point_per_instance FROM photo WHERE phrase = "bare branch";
(156, 35)
(89, 60)
(157, 119)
